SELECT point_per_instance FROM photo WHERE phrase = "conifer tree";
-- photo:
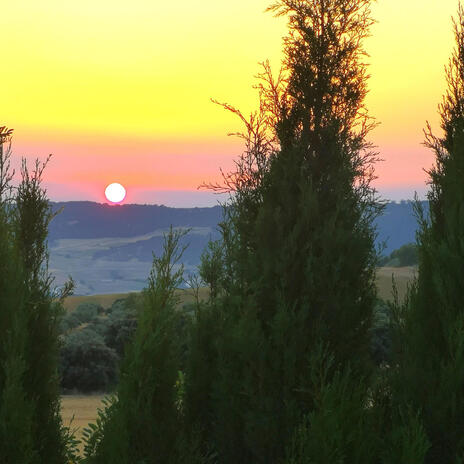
(431, 349)
(32, 215)
(29, 389)
(143, 424)
(16, 408)
(297, 235)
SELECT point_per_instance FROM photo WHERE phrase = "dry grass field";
(72, 302)
(78, 410)
(402, 275)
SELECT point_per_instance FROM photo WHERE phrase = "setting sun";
(115, 193)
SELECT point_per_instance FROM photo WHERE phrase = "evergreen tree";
(16, 408)
(143, 423)
(431, 350)
(297, 237)
(29, 387)
(32, 215)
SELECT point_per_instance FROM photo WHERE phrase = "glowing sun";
(115, 193)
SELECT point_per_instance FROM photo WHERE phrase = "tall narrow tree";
(29, 323)
(430, 375)
(298, 239)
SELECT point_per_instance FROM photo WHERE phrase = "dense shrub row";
(93, 341)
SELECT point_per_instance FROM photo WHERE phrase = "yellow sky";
(91, 73)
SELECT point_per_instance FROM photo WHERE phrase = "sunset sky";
(120, 91)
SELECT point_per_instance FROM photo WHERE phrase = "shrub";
(120, 325)
(68, 322)
(87, 312)
(87, 364)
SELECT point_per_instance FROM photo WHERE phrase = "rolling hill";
(109, 249)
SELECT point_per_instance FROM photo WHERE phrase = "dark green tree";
(297, 237)
(16, 408)
(86, 363)
(431, 348)
(143, 423)
(29, 324)
(32, 215)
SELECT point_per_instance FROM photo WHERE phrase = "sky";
(121, 91)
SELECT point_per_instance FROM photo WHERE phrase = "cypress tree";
(16, 408)
(32, 215)
(32, 430)
(143, 422)
(298, 241)
(431, 349)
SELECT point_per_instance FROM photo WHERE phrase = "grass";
(72, 302)
(77, 411)
(402, 275)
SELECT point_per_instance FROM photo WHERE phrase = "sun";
(115, 193)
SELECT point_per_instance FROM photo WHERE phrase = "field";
(72, 302)
(78, 410)
(402, 276)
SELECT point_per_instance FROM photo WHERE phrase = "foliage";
(142, 425)
(404, 256)
(341, 427)
(381, 334)
(87, 364)
(407, 441)
(87, 312)
(297, 256)
(121, 323)
(68, 322)
(29, 323)
(16, 407)
(211, 267)
(430, 326)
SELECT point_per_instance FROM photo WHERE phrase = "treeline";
(277, 365)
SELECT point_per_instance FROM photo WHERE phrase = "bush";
(68, 322)
(121, 325)
(381, 336)
(100, 325)
(87, 364)
(87, 312)
(403, 256)
(406, 255)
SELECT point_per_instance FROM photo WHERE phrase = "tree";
(87, 364)
(298, 246)
(431, 349)
(29, 319)
(16, 407)
(142, 424)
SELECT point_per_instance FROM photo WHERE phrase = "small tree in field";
(430, 356)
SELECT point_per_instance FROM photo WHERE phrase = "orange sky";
(120, 91)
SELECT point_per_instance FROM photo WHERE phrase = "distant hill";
(85, 219)
(397, 226)
(108, 249)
